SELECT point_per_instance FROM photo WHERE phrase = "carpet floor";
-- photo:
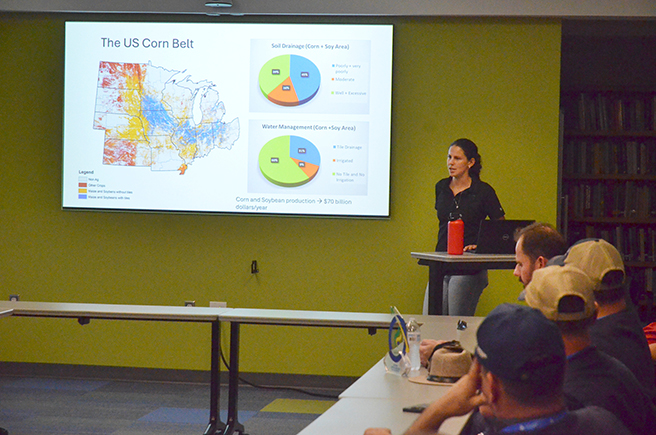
(37, 406)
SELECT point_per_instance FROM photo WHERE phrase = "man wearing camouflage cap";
(617, 330)
(565, 295)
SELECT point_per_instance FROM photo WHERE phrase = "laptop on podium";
(498, 236)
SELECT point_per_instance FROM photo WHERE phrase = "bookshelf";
(608, 180)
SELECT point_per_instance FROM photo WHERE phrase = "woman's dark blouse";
(474, 204)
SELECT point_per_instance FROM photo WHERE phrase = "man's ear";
(495, 388)
(540, 262)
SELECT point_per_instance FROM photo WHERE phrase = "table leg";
(215, 425)
(233, 424)
(435, 288)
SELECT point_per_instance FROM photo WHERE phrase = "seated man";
(617, 330)
(565, 295)
(517, 381)
(536, 245)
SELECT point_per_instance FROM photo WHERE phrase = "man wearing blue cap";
(517, 383)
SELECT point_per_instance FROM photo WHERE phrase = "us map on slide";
(158, 118)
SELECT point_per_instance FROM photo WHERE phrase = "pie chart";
(289, 161)
(289, 80)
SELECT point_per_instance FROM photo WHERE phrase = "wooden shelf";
(611, 177)
(640, 265)
(611, 134)
(614, 220)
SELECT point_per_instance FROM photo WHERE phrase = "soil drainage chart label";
(289, 161)
(289, 80)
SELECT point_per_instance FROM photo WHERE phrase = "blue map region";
(157, 116)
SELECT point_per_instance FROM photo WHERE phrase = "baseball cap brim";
(558, 260)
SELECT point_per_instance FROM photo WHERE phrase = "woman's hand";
(469, 248)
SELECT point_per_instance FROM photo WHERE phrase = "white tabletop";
(377, 398)
(111, 311)
(376, 383)
(467, 257)
(307, 318)
(352, 416)
(446, 328)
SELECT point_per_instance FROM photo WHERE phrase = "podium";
(441, 264)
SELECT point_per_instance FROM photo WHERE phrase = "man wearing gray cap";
(564, 294)
(516, 381)
(617, 330)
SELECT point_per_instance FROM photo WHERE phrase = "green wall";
(494, 81)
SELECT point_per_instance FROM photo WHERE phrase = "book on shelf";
(653, 113)
(629, 200)
(619, 114)
(650, 284)
(619, 240)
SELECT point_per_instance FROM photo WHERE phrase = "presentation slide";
(283, 119)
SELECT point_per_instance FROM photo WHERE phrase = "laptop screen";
(498, 236)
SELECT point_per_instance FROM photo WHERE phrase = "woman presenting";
(464, 196)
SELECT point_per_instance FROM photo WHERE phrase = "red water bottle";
(456, 237)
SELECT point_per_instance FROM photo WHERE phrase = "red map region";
(120, 152)
(121, 75)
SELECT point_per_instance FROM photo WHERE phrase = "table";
(239, 316)
(432, 327)
(377, 398)
(352, 416)
(85, 312)
(441, 264)
(6, 313)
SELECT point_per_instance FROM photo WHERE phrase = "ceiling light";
(219, 3)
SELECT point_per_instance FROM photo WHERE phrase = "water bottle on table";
(414, 340)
